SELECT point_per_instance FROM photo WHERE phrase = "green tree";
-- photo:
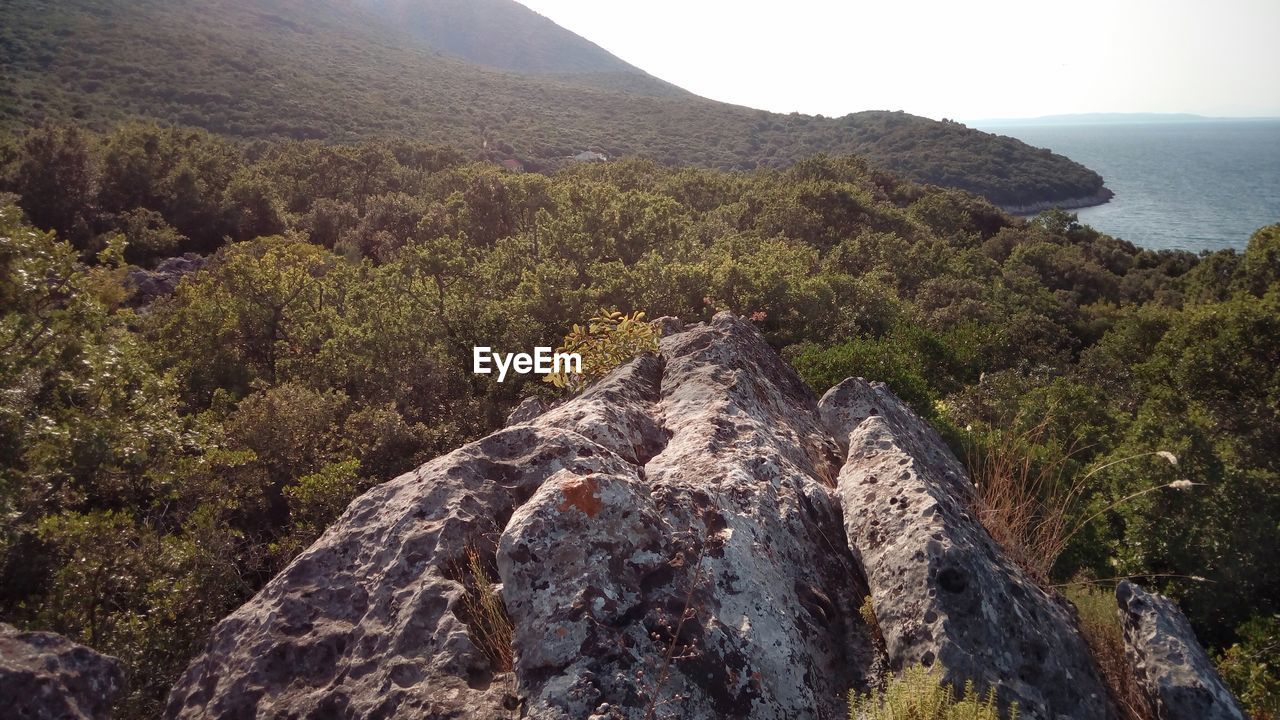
(57, 178)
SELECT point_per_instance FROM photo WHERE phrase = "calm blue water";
(1195, 186)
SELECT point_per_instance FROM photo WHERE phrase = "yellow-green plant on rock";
(919, 694)
(607, 340)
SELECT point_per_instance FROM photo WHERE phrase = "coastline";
(1101, 197)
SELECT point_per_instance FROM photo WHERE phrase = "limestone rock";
(672, 543)
(617, 411)
(1167, 660)
(721, 550)
(366, 622)
(575, 563)
(942, 590)
(668, 540)
(151, 285)
(527, 411)
(44, 675)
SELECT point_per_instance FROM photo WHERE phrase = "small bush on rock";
(608, 340)
(918, 695)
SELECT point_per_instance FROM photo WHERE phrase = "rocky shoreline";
(1101, 197)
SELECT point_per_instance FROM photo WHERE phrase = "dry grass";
(490, 626)
(1101, 629)
(868, 613)
(1023, 500)
(1029, 500)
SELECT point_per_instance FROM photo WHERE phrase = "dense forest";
(340, 71)
(163, 454)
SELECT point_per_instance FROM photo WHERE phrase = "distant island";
(1108, 119)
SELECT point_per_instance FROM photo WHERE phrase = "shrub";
(902, 359)
(608, 340)
(918, 695)
(318, 499)
(868, 613)
(1250, 668)
(1031, 500)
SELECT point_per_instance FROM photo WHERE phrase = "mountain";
(506, 35)
(490, 77)
(498, 33)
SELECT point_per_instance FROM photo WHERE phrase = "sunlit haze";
(963, 60)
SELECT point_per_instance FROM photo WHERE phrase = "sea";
(1196, 185)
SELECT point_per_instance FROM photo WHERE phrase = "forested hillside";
(162, 456)
(343, 71)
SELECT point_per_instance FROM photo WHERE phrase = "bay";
(1197, 185)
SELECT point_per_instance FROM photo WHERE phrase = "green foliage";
(903, 359)
(1250, 668)
(202, 440)
(57, 178)
(105, 534)
(607, 340)
(918, 694)
(149, 235)
(1260, 266)
(316, 500)
(1209, 390)
(247, 317)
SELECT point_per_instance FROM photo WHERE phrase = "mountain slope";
(506, 35)
(340, 71)
(498, 33)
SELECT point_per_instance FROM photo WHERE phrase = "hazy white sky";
(966, 60)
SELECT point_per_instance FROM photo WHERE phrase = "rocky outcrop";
(527, 411)
(667, 542)
(942, 590)
(367, 622)
(1171, 668)
(710, 579)
(151, 285)
(1101, 197)
(43, 675)
(672, 543)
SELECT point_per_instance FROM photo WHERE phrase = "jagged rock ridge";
(692, 537)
